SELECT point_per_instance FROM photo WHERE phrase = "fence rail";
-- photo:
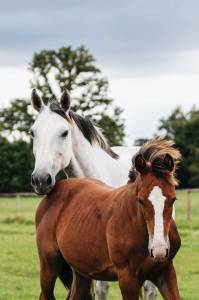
(188, 192)
(188, 200)
(13, 195)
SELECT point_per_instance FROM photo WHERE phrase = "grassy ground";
(19, 266)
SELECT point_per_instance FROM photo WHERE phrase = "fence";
(188, 201)
(17, 196)
(188, 193)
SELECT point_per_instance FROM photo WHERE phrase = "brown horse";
(124, 234)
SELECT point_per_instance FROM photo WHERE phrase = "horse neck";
(92, 161)
(127, 199)
(128, 206)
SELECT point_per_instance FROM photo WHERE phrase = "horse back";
(67, 191)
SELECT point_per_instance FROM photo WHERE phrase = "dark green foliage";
(16, 158)
(108, 126)
(16, 165)
(75, 70)
(184, 129)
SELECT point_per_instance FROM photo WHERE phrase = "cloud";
(149, 49)
(147, 100)
(137, 35)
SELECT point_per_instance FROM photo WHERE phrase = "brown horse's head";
(155, 165)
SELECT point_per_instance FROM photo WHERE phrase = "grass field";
(19, 266)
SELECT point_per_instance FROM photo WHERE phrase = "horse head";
(155, 165)
(51, 134)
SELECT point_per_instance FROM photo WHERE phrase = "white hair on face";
(158, 200)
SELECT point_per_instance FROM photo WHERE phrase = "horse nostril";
(35, 180)
(49, 180)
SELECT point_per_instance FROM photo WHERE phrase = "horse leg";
(167, 284)
(102, 289)
(80, 289)
(47, 282)
(52, 266)
(150, 290)
(129, 285)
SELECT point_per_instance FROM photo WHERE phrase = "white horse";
(61, 137)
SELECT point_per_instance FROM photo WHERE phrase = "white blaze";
(158, 200)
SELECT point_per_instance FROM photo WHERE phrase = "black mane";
(85, 126)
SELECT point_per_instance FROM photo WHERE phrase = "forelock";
(154, 152)
(55, 107)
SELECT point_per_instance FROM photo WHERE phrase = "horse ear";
(36, 100)
(140, 163)
(65, 101)
(169, 162)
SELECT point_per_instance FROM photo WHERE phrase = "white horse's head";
(51, 133)
(59, 136)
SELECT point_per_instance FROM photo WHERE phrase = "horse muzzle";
(159, 251)
(41, 182)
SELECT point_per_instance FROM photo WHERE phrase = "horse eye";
(141, 202)
(31, 133)
(173, 200)
(64, 134)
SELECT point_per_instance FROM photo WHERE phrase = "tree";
(75, 70)
(16, 119)
(184, 129)
(16, 161)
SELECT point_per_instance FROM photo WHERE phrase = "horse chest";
(126, 243)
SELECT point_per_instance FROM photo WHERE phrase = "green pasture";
(19, 265)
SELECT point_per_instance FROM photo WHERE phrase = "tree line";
(75, 69)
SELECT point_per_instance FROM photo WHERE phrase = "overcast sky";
(149, 50)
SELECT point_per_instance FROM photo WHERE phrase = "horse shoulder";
(46, 202)
(40, 211)
(123, 228)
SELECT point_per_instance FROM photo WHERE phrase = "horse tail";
(66, 277)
